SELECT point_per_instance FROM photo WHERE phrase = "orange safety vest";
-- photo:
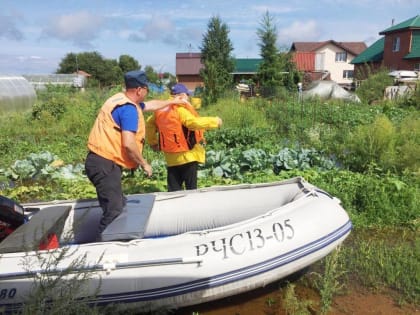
(105, 137)
(173, 136)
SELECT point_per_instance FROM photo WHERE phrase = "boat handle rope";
(324, 192)
(315, 191)
(108, 267)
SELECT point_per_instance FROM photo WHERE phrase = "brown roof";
(188, 63)
(83, 73)
(354, 48)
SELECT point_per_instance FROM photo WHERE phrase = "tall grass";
(391, 146)
(293, 304)
(386, 258)
(330, 282)
(59, 124)
(237, 114)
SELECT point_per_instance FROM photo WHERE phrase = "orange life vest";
(173, 136)
(105, 137)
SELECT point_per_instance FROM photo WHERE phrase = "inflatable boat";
(168, 250)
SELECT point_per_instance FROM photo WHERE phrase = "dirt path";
(267, 301)
(359, 301)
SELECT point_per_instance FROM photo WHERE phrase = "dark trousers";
(105, 175)
(186, 173)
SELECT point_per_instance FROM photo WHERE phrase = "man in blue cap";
(178, 131)
(116, 141)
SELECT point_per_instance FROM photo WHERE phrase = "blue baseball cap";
(135, 78)
(179, 88)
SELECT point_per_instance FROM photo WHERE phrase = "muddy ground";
(353, 300)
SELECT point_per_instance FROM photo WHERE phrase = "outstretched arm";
(154, 105)
(196, 123)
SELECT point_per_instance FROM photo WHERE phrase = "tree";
(128, 63)
(151, 74)
(277, 71)
(168, 78)
(105, 72)
(217, 60)
(69, 64)
(290, 74)
(269, 72)
(111, 73)
(86, 61)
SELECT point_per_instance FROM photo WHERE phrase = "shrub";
(390, 146)
(53, 102)
(408, 145)
(372, 89)
(373, 143)
(373, 199)
(412, 100)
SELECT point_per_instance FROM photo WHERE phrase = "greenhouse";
(16, 93)
(40, 81)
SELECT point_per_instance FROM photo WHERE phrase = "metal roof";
(414, 22)
(415, 46)
(305, 60)
(246, 66)
(373, 53)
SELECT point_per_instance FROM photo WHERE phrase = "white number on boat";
(239, 243)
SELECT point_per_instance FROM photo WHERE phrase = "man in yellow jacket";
(177, 131)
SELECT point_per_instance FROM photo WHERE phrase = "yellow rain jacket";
(187, 119)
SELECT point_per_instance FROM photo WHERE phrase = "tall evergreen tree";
(217, 60)
(277, 70)
(269, 72)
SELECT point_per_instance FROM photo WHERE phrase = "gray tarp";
(328, 90)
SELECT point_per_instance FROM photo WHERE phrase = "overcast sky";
(36, 35)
